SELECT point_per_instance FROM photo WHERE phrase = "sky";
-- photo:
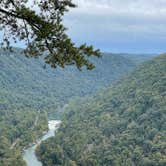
(119, 26)
(131, 26)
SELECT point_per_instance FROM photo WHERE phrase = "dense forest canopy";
(113, 115)
(25, 84)
(17, 130)
(26, 96)
(124, 124)
(39, 24)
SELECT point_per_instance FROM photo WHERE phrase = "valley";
(82, 83)
(30, 92)
(124, 123)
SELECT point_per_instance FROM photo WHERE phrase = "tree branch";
(9, 13)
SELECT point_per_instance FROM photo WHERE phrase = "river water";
(29, 154)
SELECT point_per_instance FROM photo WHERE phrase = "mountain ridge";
(24, 82)
(120, 125)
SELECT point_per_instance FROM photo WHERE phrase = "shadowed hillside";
(124, 124)
(27, 83)
(28, 89)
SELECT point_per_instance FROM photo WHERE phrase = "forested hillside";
(28, 83)
(17, 130)
(28, 89)
(124, 124)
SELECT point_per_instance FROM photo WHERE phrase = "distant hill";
(138, 58)
(27, 83)
(124, 124)
(27, 86)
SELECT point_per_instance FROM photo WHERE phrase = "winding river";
(29, 153)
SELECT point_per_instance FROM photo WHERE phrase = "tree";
(39, 24)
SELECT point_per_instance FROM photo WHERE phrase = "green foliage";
(121, 125)
(52, 151)
(39, 24)
(27, 91)
(17, 130)
(26, 84)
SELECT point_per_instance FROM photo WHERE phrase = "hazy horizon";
(118, 26)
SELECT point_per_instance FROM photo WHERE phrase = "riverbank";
(29, 155)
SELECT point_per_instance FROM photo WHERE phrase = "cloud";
(128, 8)
(118, 25)
(134, 23)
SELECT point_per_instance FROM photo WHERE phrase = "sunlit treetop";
(38, 23)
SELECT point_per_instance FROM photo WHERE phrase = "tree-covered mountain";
(28, 83)
(28, 89)
(124, 124)
(18, 129)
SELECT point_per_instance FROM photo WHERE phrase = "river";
(29, 153)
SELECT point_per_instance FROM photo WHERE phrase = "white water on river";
(29, 153)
